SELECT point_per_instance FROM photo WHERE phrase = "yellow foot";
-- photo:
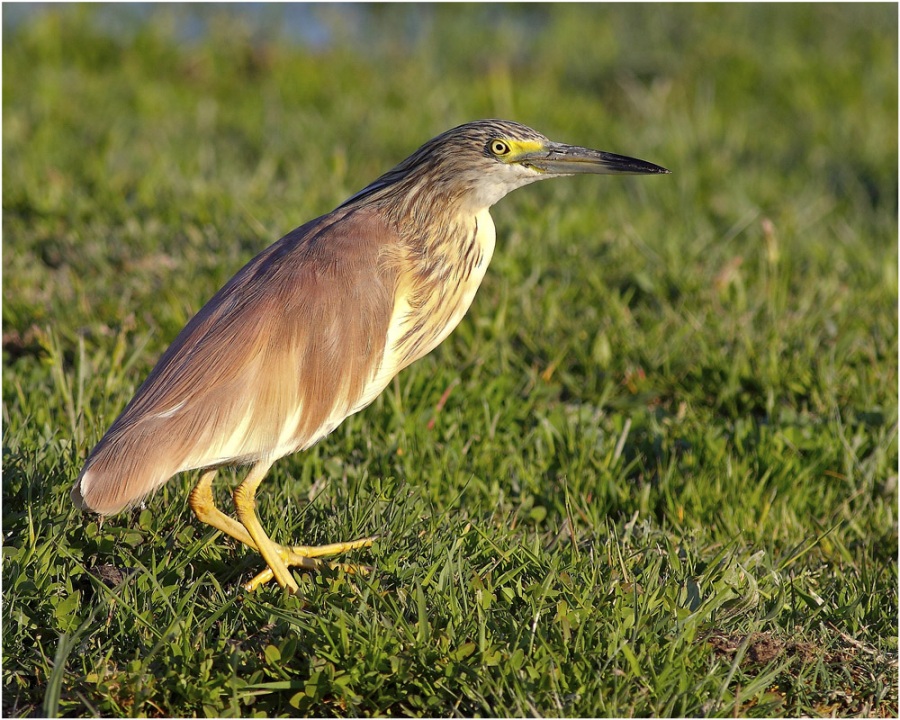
(303, 556)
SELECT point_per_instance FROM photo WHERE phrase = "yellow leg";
(204, 507)
(245, 506)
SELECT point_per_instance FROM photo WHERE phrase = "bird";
(312, 330)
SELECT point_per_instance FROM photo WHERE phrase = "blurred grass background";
(664, 481)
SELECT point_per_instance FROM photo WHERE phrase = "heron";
(313, 329)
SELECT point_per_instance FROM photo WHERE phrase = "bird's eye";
(498, 147)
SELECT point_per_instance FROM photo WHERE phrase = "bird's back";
(268, 366)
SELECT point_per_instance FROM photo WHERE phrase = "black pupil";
(499, 147)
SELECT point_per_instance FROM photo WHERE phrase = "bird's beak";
(559, 159)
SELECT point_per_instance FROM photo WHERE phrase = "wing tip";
(94, 493)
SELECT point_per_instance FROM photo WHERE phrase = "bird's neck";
(444, 236)
(440, 271)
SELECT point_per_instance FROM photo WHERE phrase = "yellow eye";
(498, 147)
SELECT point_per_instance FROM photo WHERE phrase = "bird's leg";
(245, 506)
(204, 507)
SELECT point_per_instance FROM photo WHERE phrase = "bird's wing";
(272, 363)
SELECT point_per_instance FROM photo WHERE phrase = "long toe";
(313, 551)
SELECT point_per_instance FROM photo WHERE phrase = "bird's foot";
(306, 557)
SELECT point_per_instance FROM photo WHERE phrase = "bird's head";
(480, 162)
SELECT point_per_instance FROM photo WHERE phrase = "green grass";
(664, 481)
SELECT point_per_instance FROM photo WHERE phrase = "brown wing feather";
(272, 363)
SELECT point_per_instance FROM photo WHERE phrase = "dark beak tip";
(656, 170)
(631, 165)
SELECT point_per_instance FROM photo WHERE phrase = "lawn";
(654, 470)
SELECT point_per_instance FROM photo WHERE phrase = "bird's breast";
(476, 257)
(432, 301)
